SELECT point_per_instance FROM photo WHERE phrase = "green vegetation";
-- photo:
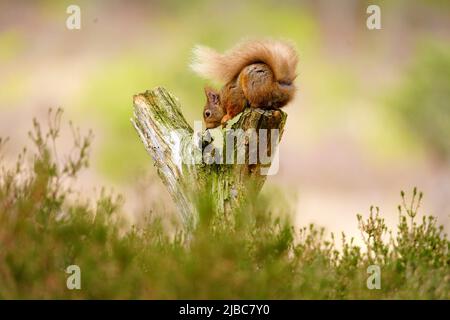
(423, 99)
(45, 227)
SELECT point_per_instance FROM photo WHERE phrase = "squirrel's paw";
(225, 120)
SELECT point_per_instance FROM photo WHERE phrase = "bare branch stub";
(168, 138)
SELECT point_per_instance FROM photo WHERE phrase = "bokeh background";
(372, 116)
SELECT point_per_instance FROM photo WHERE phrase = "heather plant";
(252, 253)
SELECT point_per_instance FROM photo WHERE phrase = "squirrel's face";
(213, 111)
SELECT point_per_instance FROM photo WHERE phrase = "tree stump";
(225, 163)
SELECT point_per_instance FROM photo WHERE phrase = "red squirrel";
(258, 74)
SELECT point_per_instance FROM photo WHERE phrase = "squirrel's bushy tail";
(280, 56)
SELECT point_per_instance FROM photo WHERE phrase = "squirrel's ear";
(212, 95)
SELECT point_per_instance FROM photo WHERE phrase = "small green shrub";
(45, 227)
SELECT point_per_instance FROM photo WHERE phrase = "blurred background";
(372, 116)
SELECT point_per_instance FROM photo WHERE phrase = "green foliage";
(45, 227)
(423, 99)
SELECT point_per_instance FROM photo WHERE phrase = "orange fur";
(258, 74)
(280, 56)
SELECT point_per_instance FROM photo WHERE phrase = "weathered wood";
(181, 156)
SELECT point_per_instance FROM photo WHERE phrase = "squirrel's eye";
(207, 113)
